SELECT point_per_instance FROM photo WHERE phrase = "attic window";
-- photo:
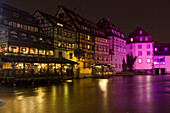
(61, 25)
(1, 10)
(146, 38)
(166, 49)
(140, 32)
(15, 14)
(29, 19)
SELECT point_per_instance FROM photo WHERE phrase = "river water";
(119, 94)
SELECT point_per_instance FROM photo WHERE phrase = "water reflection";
(119, 94)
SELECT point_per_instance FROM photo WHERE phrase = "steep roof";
(77, 20)
(109, 28)
(136, 32)
(53, 20)
(23, 17)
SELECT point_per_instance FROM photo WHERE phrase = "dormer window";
(166, 49)
(15, 14)
(146, 38)
(140, 32)
(141, 38)
(131, 39)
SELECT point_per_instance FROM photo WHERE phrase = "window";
(42, 52)
(156, 49)
(15, 14)
(130, 53)
(24, 50)
(83, 37)
(148, 46)
(166, 49)
(88, 56)
(71, 55)
(88, 47)
(60, 54)
(141, 38)
(139, 46)
(148, 60)
(146, 38)
(88, 37)
(1, 10)
(140, 32)
(83, 46)
(140, 60)
(148, 53)
(131, 39)
(159, 60)
(33, 51)
(139, 53)
(130, 46)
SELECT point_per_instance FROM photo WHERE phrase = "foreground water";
(137, 94)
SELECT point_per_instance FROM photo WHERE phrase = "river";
(119, 94)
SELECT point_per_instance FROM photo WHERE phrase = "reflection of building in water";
(162, 58)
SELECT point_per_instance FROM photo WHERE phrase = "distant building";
(162, 58)
(140, 44)
(117, 43)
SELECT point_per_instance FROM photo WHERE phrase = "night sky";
(151, 15)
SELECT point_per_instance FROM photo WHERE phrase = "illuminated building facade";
(64, 35)
(85, 37)
(140, 44)
(162, 58)
(117, 43)
(23, 47)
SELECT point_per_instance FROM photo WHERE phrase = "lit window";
(148, 53)
(140, 60)
(139, 46)
(141, 38)
(148, 46)
(131, 39)
(88, 37)
(156, 49)
(140, 32)
(88, 46)
(139, 53)
(33, 51)
(146, 38)
(166, 49)
(148, 60)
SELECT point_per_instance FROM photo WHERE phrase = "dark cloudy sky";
(152, 15)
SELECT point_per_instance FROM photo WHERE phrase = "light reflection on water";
(114, 95)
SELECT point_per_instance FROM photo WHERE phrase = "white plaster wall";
(144, 57)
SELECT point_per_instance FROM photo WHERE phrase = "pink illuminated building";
(140, 44)
(162, 58)
(117, 43)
